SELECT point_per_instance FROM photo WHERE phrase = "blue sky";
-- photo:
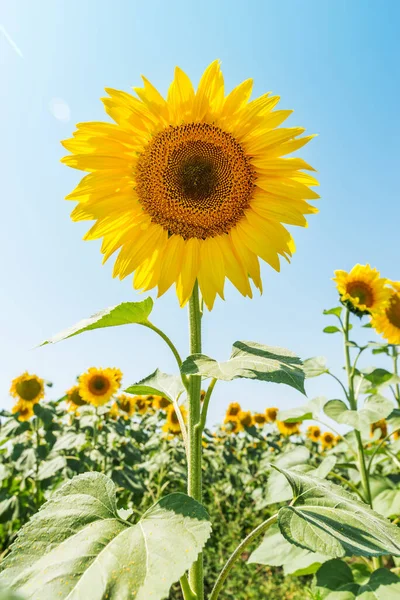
(334, 63)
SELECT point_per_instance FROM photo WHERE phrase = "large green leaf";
(123, 314)
(278, 488)
(375, 408)
(335, 581)
(311, 410)
(77, 548)
(250, 360)
(325, 518)
(159, 383)
(275, 551)
(388, 503)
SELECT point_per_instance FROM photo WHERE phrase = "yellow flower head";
(328, 439)
(140, 404)
(196, 186)
(396, 435)
(160, 403)
(172, 423)
(382, 425)
(126, 404)
(24, 410)
(27, 388)
(362, 290)
(233, 410)
(271, 413)
(313, 433)
(232, 425)
(97, 386)
(118, 375)
(288, 429)
(260, 419)
(114, 411)
(387, 323)
(245, 418)
(74, 399)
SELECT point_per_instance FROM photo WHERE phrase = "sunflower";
(271, 413)
(387, 323)
(362, 290)
(126, 404)
(382, 425)
(114, 411)
(232, 425)
(74, 399)
(260, 419)
(396, 435)
(140, 404)
(172, 424)
(313, 433)
(28, 389)
(245, 418)
(97, 386)
(192, 187)
(328, 439)
(288, 429)
(160, 403)
(24, 410)
(233, 410)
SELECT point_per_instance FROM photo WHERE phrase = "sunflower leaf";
(250, 360)
(123, 314)
(375, 408)
(308, 411)
(323, 517)
(159, 383)
(77, 546)
(314, 367)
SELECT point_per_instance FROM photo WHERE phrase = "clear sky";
(334, 62)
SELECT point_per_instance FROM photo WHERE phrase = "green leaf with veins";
(158, 383)
(375, 408)
(314, 367)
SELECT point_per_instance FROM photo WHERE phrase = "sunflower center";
(393, 312)
(362, 291)
(99, 385)
(174, 418)
(194, 180)
(29, 389)
(76, 398)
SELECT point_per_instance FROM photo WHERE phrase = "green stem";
(37, 482)
(395, 356)
(186, 589)
(238, 552)
(194, 432)
(205, 405)
(348, 483)
(379, 447)
(353, 405)
(166, 339)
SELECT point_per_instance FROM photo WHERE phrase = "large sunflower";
(28, 389)
(363, 290)
(387, 323)
(97, 386)
(191, 187)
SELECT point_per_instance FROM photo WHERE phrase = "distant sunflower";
(172, 423)
(245, 418)
(160, 403)
(74, 399)
(313, 433)
(288, 429)
(396, 435)
(232, 425)
(387, 323)
(260, 419)
(271, 414)
(233, 409)
(114, 411)
(126, 404)
(140, 404)
(24, 410)
(192, 187)
(382, 426)
(362, 290)
(328, 440)
(27, 388)
(97, 386)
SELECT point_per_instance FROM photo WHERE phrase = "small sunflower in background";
(328, 440)
(362, 290)
(24, 410)
(172, 423)
(245, 418)
(271, 414)
(382, 426)
(74, 399)
(288, 429)
(140, 404)
(28, 389)
(396, 435)
(260, 419)
(232, 425)
(126, 405)
(98, 386)
(192, 187)
(160, 402)
(313, 433)
(233, 409)
(387, 323)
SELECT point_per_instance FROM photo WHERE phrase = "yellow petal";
(248, 258)
(211, 272)
(189, 270)
(210, 91)
(234, 268)
(97, 162)
(171, 263)
(237, 98)
(153, 99)
(180, 96)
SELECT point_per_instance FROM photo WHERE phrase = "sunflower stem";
(395, 356)
(194, 432)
